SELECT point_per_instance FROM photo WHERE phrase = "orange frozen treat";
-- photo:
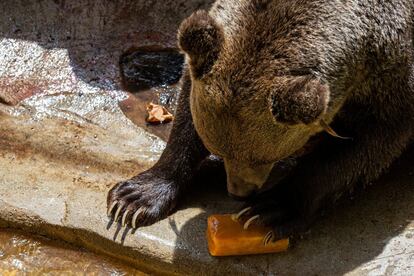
(226, 237)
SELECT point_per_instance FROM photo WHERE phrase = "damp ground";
(21, 253)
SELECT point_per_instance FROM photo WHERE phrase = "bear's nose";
(241, 198)
(239, 189)
(238, 198)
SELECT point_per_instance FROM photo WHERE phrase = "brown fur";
(263, 76)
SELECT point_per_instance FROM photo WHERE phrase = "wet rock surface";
(22, 254)
(146, 69)
(65, 140)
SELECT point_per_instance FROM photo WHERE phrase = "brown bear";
(263, 78)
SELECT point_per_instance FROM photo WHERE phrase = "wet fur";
(275, 68)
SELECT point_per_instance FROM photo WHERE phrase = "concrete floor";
(64, 141)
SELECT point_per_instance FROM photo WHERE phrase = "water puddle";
(150, 75)
(147, 68)
(21, 254)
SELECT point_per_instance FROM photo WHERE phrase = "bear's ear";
(201, 38)
(299, 100)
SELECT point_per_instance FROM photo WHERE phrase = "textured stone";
(63, 148)
(57, 187)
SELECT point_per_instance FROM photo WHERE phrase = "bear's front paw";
(283, 221)
(142, 200)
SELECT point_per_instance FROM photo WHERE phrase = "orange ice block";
(226, 237)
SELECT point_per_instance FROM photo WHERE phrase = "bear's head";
(252, 104)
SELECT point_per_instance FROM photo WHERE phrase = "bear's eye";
(303, 71)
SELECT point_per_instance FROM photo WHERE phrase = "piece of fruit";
(158, 114)
(226, 237)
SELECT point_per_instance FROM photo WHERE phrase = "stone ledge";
(43, 195)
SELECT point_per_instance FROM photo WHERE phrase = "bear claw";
(142, 200)
(118, 211)
(241, 213)
(135, 217)
(268, 238)
(111, 208)
(124, 217)
(250, 221)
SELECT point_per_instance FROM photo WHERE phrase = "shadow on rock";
(96, 33)
(363, 234)
(95, 37)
